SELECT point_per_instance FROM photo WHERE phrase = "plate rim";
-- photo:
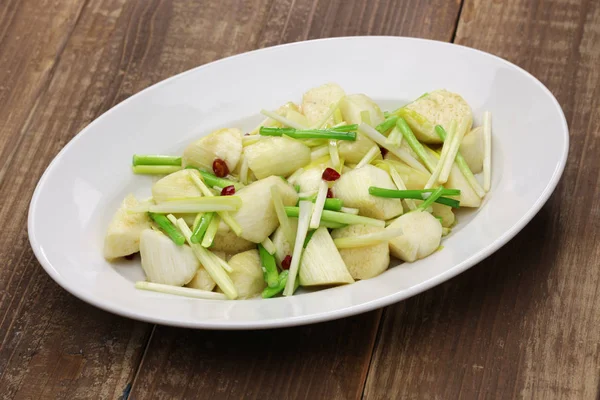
(361, 308)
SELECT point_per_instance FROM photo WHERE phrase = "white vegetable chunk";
(276, 156)
(257, 215)
(225, 144)
(445, 213)
(228, 242)
(439, 107)
(202, 279)
(472, 149)
(321, 262)
(165, 262)
(353, 189)
(353, 151)
(317, 102)
(173, 186)
(363, 262)
(247, 274)
(442, 211)
(123, 234)
(353, 105)
(422, 236)
(309, 179)
(456, 180)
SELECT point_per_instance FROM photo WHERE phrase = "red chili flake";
(228, 190)
(246, 134)
(330, 174)
(220, 168)
(329, 193)
(285, 264)
(384, 151)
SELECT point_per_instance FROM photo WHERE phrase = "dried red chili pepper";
(228, 190)
(330, 174)
(285, 264)
(220, 168)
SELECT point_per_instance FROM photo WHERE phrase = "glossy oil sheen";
(83, 186)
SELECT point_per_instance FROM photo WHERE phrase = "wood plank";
(32, 37)
(51, 344)
(524, 322)
(327, 362)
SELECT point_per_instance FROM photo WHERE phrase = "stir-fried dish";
(322, 193)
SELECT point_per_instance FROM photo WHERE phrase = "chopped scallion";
(309, 133)
(211, 231)
(156, 160)
(431, 199)
(417, 195)
(339, 217)
(155, 169)
(200, 229)
(412, 141)
(163, 222)
(179, 291)
(388, 124)
(460, 162)
(268, 266)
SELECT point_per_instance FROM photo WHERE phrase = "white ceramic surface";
(82, 187)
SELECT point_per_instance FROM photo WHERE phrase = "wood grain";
(330, 360)
(33, 35)
(523, 323)
(326, 361)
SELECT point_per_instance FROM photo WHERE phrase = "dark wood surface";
(525, 323)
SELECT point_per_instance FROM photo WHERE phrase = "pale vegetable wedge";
(439, 107)
(354, 105)
(317, 102)
(228, 242)
(472, 149)
(174, 186)
(441, 211)
(202, 279)
(321, 262)
(276, 156)
(123, 235)
(353, 189)
(165, 262)
(354, 151)
(247, 274)
(456, 180)
(225, 144)
(363, 262)
(445, 213)
(309, 179)
(422, 234)
(412, 178)
(257, 215)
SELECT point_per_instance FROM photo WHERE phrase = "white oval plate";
(82, 187)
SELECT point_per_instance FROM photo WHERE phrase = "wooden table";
(523, 323)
